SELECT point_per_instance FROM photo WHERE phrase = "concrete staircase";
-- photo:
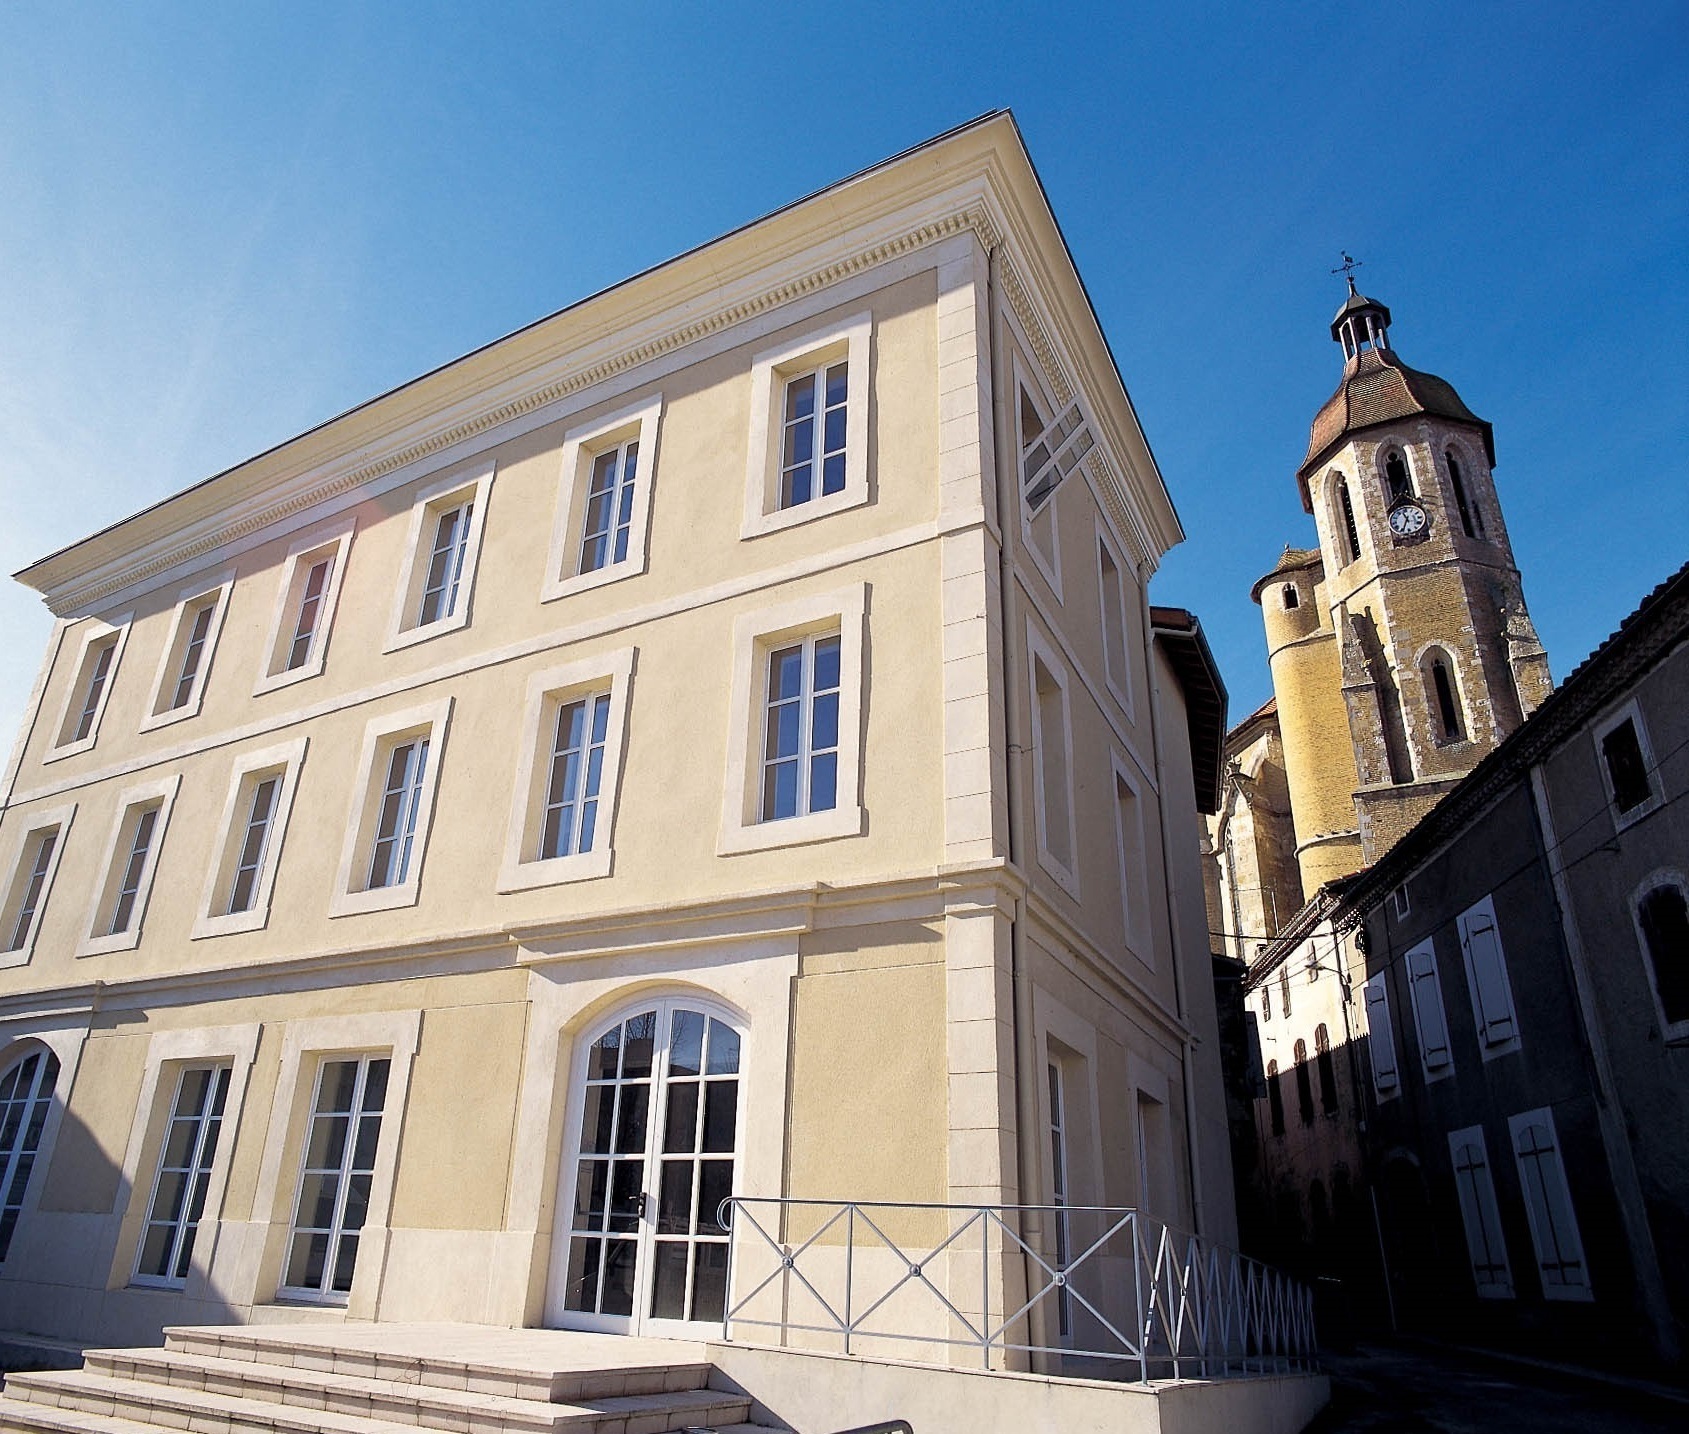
(249, 1380)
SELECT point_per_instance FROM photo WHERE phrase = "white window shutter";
(1548, 1204)
(1381, 1040)
(1485, 1245)
(1428, 1008)
(1492, 996)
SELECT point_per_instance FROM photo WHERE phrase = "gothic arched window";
(1444, 703)
(1275, 1098)
(1349, 536)
(1397, 484)
(1471, 520)
(1328, 1072)
(1304, 1085)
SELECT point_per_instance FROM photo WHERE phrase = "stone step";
(275, 1348)
(204, 1411)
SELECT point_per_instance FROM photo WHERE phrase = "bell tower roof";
(1377, 388)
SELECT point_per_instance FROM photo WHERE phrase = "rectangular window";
(1428, 1017)
(1052, 771)
(1475, 1191)
(185, 665)
(90, 688)
(387, 831)
(444, 547)
(575, 775)
(1548, 1206)
(1381, 1040)
(336, 1175)
(604, 502)
(809, 428)
(185, 1162)
(30, 884)
(1662, 924)
(255, 813)
(1486, 979)
(1130, 849)
(1627, 765)
(93, 689)
(800, 767)
(297, 647)
(1118, 631)
(1399, 899)
(794, 763)
(131, 859)
(609, 507)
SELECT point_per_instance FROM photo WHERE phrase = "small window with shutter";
(1486, 980)
(1429, 1021)
(1475, 1188)
(1548, 1205)
(1381, 1041)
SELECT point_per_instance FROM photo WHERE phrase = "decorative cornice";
(974, 218)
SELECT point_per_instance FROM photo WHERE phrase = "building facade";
(712, 741)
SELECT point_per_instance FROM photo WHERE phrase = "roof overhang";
(1180, 636)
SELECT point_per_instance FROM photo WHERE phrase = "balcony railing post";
(850, 1270)
(984, 1283)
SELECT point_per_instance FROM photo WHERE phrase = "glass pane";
(581, 1288)
(641, 1030)
(185, 1255)
(196, 1201)
(781, 798)
(668, 1284)
(369, 1136)
(340, 1079)
(167, 1203)
(824, 782)
(715, 1184)
(156, 1250)
(709, 1281)
(680, 1123)
(724, 1050)
(838, 384)
(833, 474)
(619, 1259)
(785, 673)
(606, 1050)
(179, 1146)
(721, 1106)
(327, 1143)
(596, 1119)
(674, 1208)
(686, 1044)
(833, 431)
(316, 1200)
(190, 1099)
(630, 1119)
(357, 1202)
(592, 1180)
(310, 1255)
(800, 397)
(625, 1185)
(345, 1258)
(826, 664)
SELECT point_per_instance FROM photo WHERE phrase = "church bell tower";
(1411, 608)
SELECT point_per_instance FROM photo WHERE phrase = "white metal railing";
(1132, 1298)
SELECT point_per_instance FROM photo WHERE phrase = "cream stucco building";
(713, 740)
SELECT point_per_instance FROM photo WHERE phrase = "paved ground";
(1379, 1389)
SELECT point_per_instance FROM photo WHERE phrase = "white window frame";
(1545, 1236)
(582, 447)
(1400, 901)
(1487, 1213)
(1381, 1036)
(1631, 710)
(1489, 1048)
(30, 824)
(1040, 652)
(1132, 852)
(1048, 564)
(1670, 1031)
(1430, 1020)
(1120, 684)
(114, 864)
(473, 485)
(522, 867)
(191, 601)
(351, 895)
(71, 708)
(286, 758)
(755, 635)
(850, 339)
(335, 543)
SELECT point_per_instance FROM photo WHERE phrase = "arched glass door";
(652, 1160)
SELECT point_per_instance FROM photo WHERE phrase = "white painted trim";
(474, 484)
(80, 676)
(521, 871)
(338, 536)
(114, 859)
(850, 338)
(581, 447)
(350, 896)
(304, 1046)
(288, 757)
(1041, 652)
(29, 825)
(217, 587)
(754, 635)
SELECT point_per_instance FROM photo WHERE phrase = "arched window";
(1663, 916)
(1349, 537)
(26, 1095)
(1397, 484)
(1291, 600)
(1304, 1085)
(1471, 520)
(1284, 988)
(1445, 705)
(1328, 1071)
(1275, 1098)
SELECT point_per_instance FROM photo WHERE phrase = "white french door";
(639, 1246)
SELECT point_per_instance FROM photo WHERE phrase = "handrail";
(1128, 1290)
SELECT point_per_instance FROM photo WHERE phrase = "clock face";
(1407, 519)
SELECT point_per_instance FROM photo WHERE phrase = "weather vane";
(1347, 268)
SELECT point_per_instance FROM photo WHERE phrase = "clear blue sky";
(221, 224)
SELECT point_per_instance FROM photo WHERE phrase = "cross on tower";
(1347, 268)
